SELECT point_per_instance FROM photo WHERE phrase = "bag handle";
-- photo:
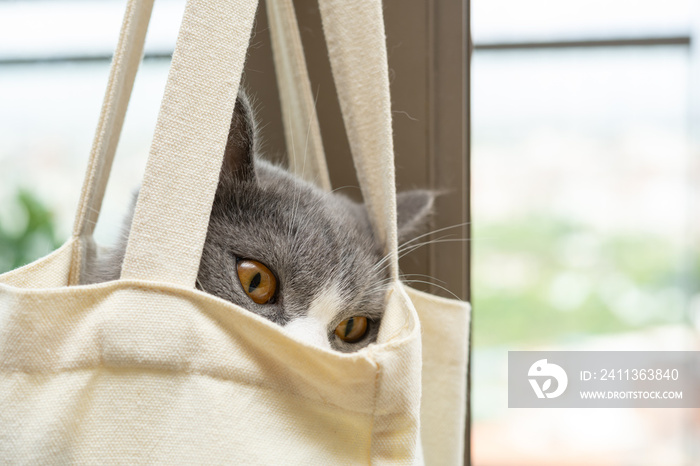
(301, 129)
(357, 49)
(355, 35)
(122, 74)
(172, 212)
(169, 226)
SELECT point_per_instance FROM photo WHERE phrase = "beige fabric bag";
(147, 369)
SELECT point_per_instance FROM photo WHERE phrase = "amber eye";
(352, 329)
(257, 281)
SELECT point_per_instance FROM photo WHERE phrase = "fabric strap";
(357, 49)
(125, 63)
(301, 128)
(172, 212)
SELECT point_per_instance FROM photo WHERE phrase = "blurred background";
(585, 225)
(584, 171)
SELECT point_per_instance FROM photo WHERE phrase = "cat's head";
(294, 254)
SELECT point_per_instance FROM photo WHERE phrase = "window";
(51, 89)
(583, 229)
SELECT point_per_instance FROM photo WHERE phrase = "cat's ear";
(240, 146)
(414, 209)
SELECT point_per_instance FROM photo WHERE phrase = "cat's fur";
(319, 245)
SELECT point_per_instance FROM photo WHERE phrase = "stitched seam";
(374, 404)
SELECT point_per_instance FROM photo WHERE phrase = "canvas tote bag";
(147, 369)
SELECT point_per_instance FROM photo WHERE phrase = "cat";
(288, 251)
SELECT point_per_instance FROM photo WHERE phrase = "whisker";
(416, 246)
(404, 277)
(382, 262)
(407, 245)
(441, 239)
(409, 248)
(343, 187)
(435, 285)
(433, 232)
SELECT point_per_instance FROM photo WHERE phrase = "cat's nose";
(309, 330)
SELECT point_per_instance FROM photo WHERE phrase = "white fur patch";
(313, 328)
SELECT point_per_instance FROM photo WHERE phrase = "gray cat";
(288, 251)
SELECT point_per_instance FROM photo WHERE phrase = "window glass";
(47, 122)
(536, 20)
(581, 239)
(49, 111)
(78, 28)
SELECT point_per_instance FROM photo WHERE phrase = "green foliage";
(27, 233)
(540, 279)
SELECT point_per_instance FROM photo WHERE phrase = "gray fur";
(311, 240)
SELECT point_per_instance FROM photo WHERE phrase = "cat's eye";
(353, 329)
(257, 281)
